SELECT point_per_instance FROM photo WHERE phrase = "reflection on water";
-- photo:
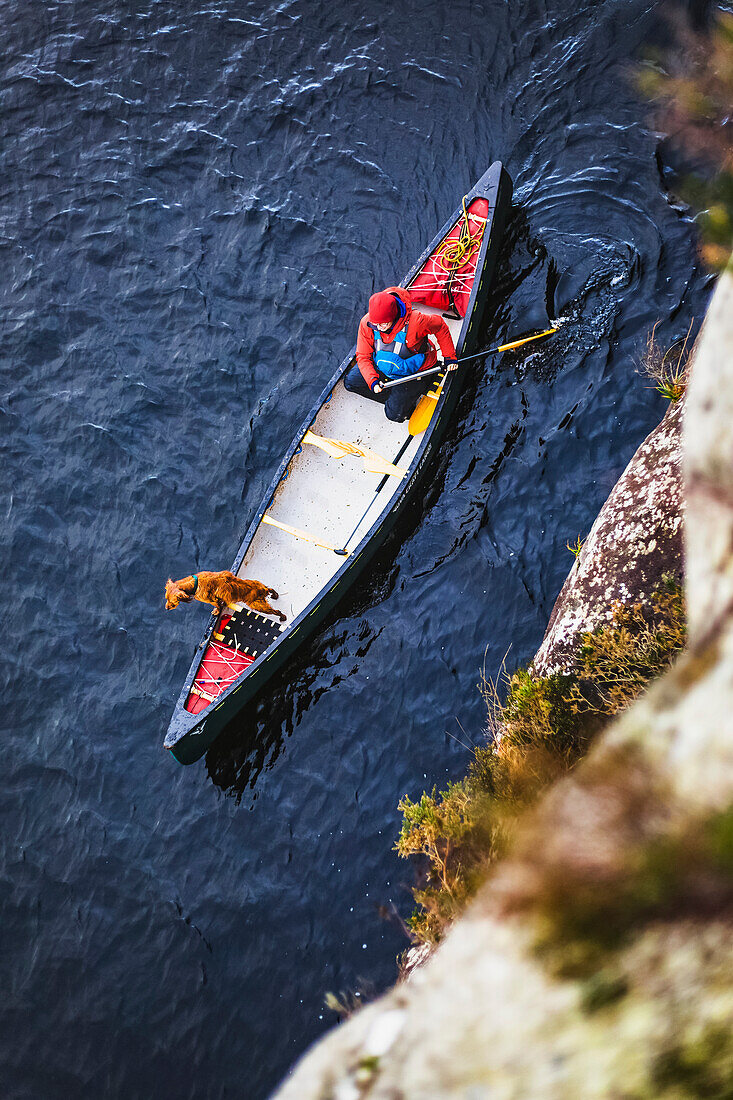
(255, 738)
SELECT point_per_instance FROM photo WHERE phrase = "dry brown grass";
(667, 368)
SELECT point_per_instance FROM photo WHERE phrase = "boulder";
(634, 542)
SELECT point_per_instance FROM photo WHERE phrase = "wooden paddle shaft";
(466, 358)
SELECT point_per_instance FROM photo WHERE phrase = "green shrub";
(687, 870)
(542, 710)
(701, 1068)
(544, 726)
(458, 835)
(667, 369)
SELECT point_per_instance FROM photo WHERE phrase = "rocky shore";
(596, 960)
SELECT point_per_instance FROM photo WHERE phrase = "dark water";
(196, 203)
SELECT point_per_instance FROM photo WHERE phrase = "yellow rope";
(456, 253)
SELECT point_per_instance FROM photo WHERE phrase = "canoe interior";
(327, 497)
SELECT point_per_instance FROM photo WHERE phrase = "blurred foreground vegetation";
(691, 86)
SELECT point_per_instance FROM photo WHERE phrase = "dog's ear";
(171, 595)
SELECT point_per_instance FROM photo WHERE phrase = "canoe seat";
(250, 632)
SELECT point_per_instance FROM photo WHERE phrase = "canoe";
(340, 487)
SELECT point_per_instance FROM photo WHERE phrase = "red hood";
(406, 299)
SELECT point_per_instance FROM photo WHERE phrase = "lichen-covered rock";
(636, 539)
(484, 1021)
(596, 962)
(708, 466)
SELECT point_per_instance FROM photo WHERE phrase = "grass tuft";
(669, 369)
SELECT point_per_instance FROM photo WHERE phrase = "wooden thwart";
(298, 534)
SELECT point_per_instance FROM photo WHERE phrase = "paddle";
(425, 408)
(466, 358)
(426, 405)
(377, 491)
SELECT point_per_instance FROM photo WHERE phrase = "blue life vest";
(395, 359)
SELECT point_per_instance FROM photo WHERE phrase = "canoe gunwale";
(186, 725)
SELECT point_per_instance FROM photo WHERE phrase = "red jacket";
(419, 327)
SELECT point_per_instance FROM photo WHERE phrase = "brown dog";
(221, 589)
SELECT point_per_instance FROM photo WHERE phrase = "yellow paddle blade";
(424, 411)
(426, 405)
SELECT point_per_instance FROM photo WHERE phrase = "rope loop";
(456, 253)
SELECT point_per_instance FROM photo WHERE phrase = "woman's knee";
(353, 380)
(397, 412)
